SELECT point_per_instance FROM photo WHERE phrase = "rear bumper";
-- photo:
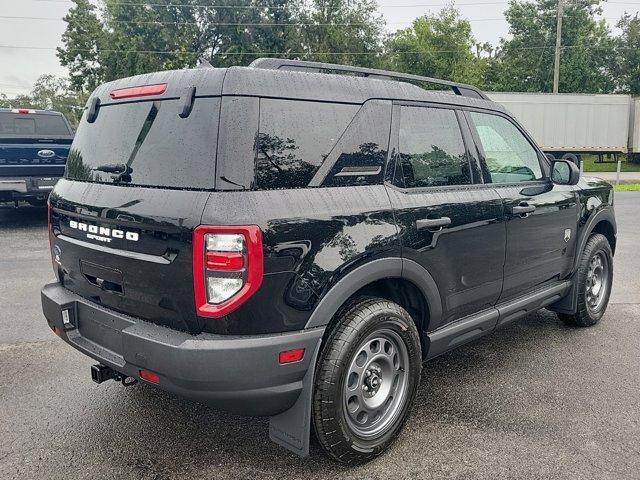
(240, 374)
(28, 186)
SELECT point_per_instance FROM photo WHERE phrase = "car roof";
(288, 84)
(335, 88)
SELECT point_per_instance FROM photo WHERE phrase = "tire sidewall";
(384, 315)
(597, 243)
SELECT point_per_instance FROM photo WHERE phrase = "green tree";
(526, 60)
(627, 58)
(82, 42)
(50, 93)
(437, 46)
(341, 31)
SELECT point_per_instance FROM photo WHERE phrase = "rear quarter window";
(295, 138)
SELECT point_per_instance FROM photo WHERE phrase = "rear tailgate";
(33, 144)
(26, 157)
(123, 237)
(128, 249)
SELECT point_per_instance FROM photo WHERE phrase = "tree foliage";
(50, 93)
(525, 62)
(627, 56)
(437, 46)
(118, 39)
(109, 39)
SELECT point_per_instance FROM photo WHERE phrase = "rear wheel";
(366, 380)
(594, 277)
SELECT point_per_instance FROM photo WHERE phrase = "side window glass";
(432, 151)
(509, 156)
(294, 139)
(361, 153)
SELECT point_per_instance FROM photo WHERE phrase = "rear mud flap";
(291, 429)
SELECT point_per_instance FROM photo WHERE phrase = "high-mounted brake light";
(228, 266)
(142, 91)
(22, 110)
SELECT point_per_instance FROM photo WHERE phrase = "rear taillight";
(142, 91)
(227, 267)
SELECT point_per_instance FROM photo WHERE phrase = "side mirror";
(564, 172)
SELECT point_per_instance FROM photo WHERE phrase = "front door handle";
(523, 209)
(433, 223)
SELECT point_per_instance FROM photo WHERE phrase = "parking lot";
(534, 400)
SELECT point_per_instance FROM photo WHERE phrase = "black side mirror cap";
(564, 172)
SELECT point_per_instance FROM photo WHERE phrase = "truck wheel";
(366, 379)
(594, 277)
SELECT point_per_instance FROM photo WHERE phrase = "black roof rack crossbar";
(318, 67)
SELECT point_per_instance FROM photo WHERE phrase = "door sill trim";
(479, 324)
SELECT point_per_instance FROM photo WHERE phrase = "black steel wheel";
(594, 277)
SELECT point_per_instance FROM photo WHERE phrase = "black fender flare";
(379, 269)
(605, 214)
(292, 428)
(569, 303)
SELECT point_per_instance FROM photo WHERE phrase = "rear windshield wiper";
(111, 168)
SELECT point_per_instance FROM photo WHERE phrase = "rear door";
(136, 183)
(450, 223)
(541, 217)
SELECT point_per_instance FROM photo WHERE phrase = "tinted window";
(509, 155)
(159, 148)
(294, 139)
(432, 151)
(359, 156)
(32, 124)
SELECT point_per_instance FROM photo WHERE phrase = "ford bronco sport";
(294, 239)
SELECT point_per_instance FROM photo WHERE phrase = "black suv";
(294, 239)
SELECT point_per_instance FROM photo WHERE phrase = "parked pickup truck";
(34, 145)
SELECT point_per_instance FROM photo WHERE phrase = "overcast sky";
(21, 66)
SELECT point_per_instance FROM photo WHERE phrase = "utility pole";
(556, 65)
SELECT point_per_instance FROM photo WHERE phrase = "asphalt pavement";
(535, 399)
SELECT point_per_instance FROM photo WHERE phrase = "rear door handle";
(431, 223)
(523, 209)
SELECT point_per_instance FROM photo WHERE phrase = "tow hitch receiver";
(101, 373)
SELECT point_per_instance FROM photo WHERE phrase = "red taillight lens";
(149, 376)
(228, 266)
(225, 261)
(142, 91)
(291, 356)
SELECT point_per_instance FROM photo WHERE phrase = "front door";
(449, 224)
(541, 218)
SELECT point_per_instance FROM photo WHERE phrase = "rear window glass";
(148, 144)
(294, 139)
(32, 124)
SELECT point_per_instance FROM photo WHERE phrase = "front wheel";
(594, 277)
(366, 380)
